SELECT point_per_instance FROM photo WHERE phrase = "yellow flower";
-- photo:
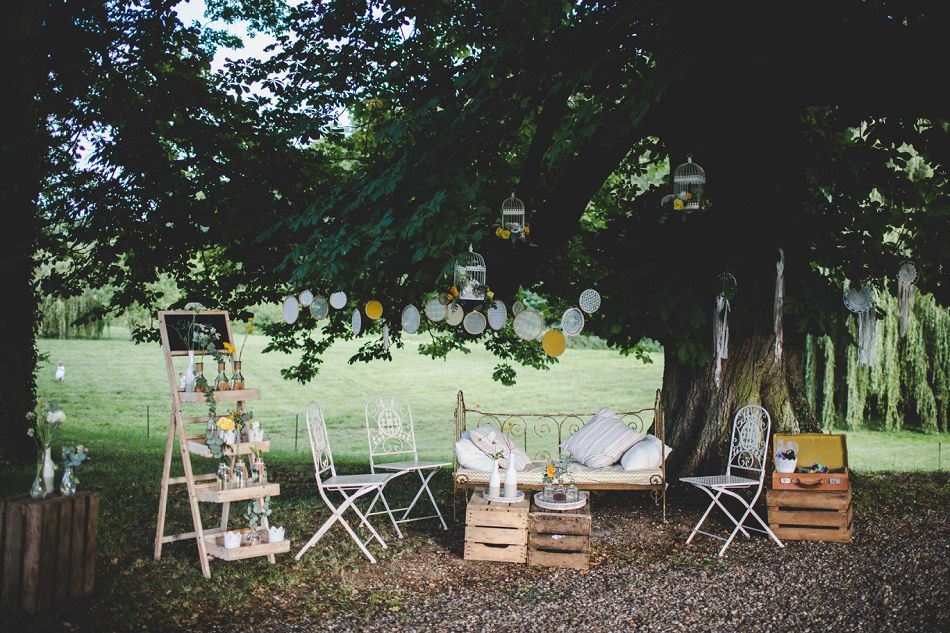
(505, 233)
(491, 295)
(527, 230)
(498, 231)
(455, 291)
(677, 204)
(229, 347)
(449, 296)
(689, 196)
(250, 329)
(226, 424)
(550, 470)
(250, 319)
(39, 401)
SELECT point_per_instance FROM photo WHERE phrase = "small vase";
(511, 479)
(222, 382)
(494, 482)
(49, 471)
(39, 490)
(188, 379)
(237, 379)
(67, 487)
(200, 382)
(573, 494)
(548, 494)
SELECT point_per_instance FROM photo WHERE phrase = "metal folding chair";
(350, 487)
(747, 452)
(391, 436)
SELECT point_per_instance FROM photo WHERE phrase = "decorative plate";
(374, 309)
(435, 310)
(410, 319)
(319, 308)
(560, 505)
(517, 307)
(515, 499)
(859, 299)
(589, 301)
(497, 315)
(338, 300)
(907, 272)
(528, 324)
(291, 309)
(572, 322)
(554, 343)
(357, 322)
(305, 298)
(454, 314)
(474, 322)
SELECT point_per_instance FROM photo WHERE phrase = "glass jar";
(573, 494)
(237, 379)
(260, 472)
(201, 383)
(39, 490)
(222, 382)
(252, 537)
(560, 493)
(240, 474)
(548, 494)
(223, 476)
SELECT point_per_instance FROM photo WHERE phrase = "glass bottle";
(222, 382)
(548, 494)
(237, 379)
(573, 494)
(260, 472)
(200, 381)
(67, 487)
(39, 491)
(223, 475)
(240, 474)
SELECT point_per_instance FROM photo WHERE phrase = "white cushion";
(469, 456)
(602, 441)
(490, 440)
(645, 454)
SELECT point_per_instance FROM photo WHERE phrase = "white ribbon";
(778, 305)
(721, 333)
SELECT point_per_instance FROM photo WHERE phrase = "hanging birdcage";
(513, 214)
(689, 179)
(470, 276)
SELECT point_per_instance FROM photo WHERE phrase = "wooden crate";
(47, 550)
(559, 538)
(496, 531)
(811, 515)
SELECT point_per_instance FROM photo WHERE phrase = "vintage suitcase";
(830, 450)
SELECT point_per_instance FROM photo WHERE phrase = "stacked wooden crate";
(813, 506)
(559, 538)
(496, 531)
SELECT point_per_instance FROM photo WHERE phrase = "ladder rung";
(202, 420)
(187, 535)
(181, 480)
(194, 437)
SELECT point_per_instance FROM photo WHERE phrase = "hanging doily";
(497, 315)
(435, 310)
(474, 322)
(319, 308)
(572, 321)
(906, 277)
(291, 310)
(528, 324)
(860, 300)
(338, 300)
(589, 301)
(357, 322)
(305, 298)
(410, 319)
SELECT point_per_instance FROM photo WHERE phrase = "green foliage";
(73, 317)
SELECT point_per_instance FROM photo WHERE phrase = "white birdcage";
(470, 276)
(689, 179)
(513, 214)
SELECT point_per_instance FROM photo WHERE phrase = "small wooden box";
(797, 515)
(496, 531)
(829, 450)
(559, 538)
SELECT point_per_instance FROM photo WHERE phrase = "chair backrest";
(389, 429)
(750, 440)
(319, 444)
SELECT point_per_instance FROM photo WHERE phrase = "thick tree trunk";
(699, 415)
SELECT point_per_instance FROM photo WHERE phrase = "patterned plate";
(474, 322)
(338, 300)
(305, 298)
(357, 322)
(454, 314)
(497, 315)
(291, 309)
(435, 310)
(572, 322)
(410, 319)
(319, 308)
(589, 301)
(516, 308)
(528, 324)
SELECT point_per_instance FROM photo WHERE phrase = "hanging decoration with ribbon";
(778, 306)
(721, 322)
(860, 301)
(906, 276)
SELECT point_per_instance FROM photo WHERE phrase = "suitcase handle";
(802, 484)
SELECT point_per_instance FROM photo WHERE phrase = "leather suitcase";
(830, 450)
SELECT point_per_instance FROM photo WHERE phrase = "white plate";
(435, 310)
(589, 301)
(454, 314)
(516, 308)
(338, 300)
(357, 322)
(319, 308)
(528, 324)
(291, 309)
(497, 315)
(305, 298)
(560, 505)
(474, 322)
(410, 319)
(572, 322)
(515, 499)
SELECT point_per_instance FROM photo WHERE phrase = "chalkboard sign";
(176, 326)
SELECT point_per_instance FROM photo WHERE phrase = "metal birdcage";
(689, 179)
(470, 276)
(513, 214)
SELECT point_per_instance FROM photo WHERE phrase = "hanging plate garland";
(454, 315)
(572, 322)
(589, 301)
(497, 315)
(338, 300)
(554, 343)
(435, 310)
(474, 322)
(410, 319)
(319, 308)
(528, 324)
(305, 298)
(516, 308)
(357, 322)
(291, 309)
(374, 309)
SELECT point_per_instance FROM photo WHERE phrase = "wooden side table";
(559, 538)
(496, 531)
(47, 550)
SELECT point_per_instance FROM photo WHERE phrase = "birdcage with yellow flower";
(470, 276)
(689, 180)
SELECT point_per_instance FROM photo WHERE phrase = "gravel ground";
(894, 575)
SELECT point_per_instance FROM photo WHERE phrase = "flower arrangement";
(497, 451)
(248, 330)
(74, 456)
(557, 471)
(45, 420)
(513, 236)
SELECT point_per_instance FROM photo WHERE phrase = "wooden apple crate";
(496, 531)
(798, 515)
(559, 538)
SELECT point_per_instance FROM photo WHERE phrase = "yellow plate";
(554, 342)
(374, 309)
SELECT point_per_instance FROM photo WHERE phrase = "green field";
(116, 394)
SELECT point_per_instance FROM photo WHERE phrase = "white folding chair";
(747, 452)
(350, 487)
(391, 436)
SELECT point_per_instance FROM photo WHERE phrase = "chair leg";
(395, 523)
(364, 521)
(425, 487)
(702, 519)
(335, 513)
(715, 502)
(750, 510)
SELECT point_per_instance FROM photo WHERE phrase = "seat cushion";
(490, 440)
(646, 453)
(583, 476)
(602, 441)
(470, 456)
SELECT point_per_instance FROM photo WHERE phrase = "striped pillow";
(602, 441)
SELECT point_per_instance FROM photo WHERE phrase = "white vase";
(189, 378)
(48, 469)
(494, 482)
(511, 479)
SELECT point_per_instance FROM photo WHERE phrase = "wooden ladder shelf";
(208, 541)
